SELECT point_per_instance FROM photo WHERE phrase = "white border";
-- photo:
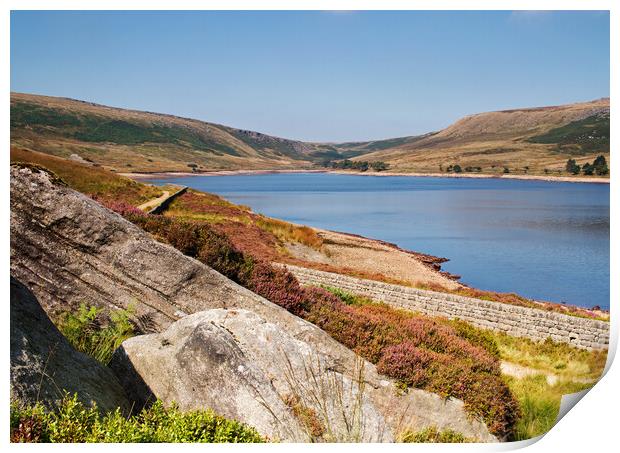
(592, 426)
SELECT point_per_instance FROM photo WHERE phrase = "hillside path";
(155, 201)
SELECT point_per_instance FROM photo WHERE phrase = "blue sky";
(323, 76)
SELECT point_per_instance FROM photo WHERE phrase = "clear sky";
(323, 76)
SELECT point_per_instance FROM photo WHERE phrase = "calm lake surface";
(544, 240)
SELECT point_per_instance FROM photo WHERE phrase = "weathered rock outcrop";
(44, 364)
(239, 364)
(68, 249)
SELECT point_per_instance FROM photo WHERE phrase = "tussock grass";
(566, 362)
(287, 232)
(540, 403)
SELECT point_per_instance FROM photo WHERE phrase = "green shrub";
(347, 297)
(480, 337)
(433, 435)
(590, 134)
(96, 334)
(73, 422)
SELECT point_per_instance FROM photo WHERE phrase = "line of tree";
(360, 165)
(458, 169)
(599, 166)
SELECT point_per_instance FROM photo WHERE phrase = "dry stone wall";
(514, 320)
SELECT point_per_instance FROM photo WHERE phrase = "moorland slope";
(531, 140)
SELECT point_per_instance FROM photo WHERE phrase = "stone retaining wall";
(161, 207)
(514, 320)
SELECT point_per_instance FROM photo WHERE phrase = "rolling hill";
(537, 138)
(129, 140)
(524, 140)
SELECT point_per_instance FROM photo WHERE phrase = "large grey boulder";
(249, 369)
(44, 365)
(69, 249)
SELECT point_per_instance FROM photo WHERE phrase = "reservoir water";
(544, 240)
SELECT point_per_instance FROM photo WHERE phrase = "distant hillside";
(526, 140)
(129, 140)
(537, 138)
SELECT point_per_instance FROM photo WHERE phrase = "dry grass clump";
(329, 406)
(287, 232)
(306, 415)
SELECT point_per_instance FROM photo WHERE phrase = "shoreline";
(548, 178)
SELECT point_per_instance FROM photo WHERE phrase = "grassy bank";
(90, 180)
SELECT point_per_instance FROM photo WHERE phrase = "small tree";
(572, 167)
(506, 170)
(379, 166)
(457, 169)
(588, 169)
(600, 166)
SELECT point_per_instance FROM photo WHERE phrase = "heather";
(73, 422)
(417, 351)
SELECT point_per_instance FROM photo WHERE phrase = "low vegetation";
(448, 358)
(539, 402)
(98, 333)
(88, 127)
(588, 135)
(571, 369)
(242, 224)
(433, 435)
(253, 234)
(72, 422)
(560, 359)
